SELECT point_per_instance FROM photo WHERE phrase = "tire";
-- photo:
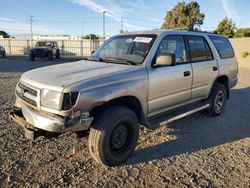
(50, 56)
(4, 54)
(113, 136)
(57, 55)
(32, 57)
(217, 99)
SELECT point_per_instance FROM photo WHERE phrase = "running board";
(175, 114)
(184, 114)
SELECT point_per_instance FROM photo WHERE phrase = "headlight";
(69, 100)
(51, 99)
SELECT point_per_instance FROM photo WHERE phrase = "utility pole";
(122, 29)
(82, 25)
(103, 22)
(31, 32)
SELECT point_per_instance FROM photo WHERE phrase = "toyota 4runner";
(131, 80)
(44, 49)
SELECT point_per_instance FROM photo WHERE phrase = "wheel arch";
(223, 79)
(131, 102)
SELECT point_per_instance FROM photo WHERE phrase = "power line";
(136, 24)
(82, 24)
(31, 32)
(104, 24)
(122, 29)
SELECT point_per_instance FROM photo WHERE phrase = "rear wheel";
(32, 57)
(113, 136)
(217, 99)
(50, 56)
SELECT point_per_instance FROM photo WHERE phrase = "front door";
(170, 85)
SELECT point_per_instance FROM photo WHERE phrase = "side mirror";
(93, 52)
(167, 59)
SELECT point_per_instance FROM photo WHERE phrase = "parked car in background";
(45, 49)
(131, 80)
(2, 51)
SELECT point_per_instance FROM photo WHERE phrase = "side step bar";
(184, 114)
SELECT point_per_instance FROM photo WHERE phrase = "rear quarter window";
(199, 49)
(223, 46)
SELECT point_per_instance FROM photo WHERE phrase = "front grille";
(27, 94)
(27, 89)
(39, 52)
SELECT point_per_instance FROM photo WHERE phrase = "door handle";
(215, 68)
(186, 73)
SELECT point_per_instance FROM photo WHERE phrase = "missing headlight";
(69, 100)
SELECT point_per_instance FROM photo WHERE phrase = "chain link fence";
(67, 47)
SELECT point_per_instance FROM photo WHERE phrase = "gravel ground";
(198, 151)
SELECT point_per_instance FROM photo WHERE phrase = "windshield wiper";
(118, 61)
(91, 58)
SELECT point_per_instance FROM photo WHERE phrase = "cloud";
(229, 9)
(114, 9)
(22, 28)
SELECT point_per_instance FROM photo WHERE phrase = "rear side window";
(199, 49)
(223, 46)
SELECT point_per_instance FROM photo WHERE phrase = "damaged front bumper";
(32, 121)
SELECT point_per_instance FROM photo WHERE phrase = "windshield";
(44, 44)
(127, 49)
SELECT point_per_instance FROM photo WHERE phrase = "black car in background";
(45, 49)
(2, 51)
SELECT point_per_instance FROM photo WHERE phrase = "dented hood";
(58, 77)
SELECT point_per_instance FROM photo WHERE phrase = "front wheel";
(217, 99)
(4, 54)
(32, 57)
(57, 55)
(114, 135)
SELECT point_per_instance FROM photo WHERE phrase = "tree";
(242, 32)
(91, 36)
(226, 27)
(4, 34)
(184, 16)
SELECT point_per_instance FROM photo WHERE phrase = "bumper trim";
(233, 82)
(33, 120)
(17, 117)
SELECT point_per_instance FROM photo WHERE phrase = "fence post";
(90, 46)
(81, 50)
(62, 47)
(28, 48)
(9, 46)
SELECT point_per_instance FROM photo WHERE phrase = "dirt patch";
(198, 151)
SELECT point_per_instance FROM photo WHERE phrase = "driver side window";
(174, 45)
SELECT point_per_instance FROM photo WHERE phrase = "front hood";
(41, 47)
(58, 77)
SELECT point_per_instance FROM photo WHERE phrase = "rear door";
(204, 65)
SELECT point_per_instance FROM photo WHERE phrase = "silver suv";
(131, 80)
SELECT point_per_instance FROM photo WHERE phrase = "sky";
(77, 17)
